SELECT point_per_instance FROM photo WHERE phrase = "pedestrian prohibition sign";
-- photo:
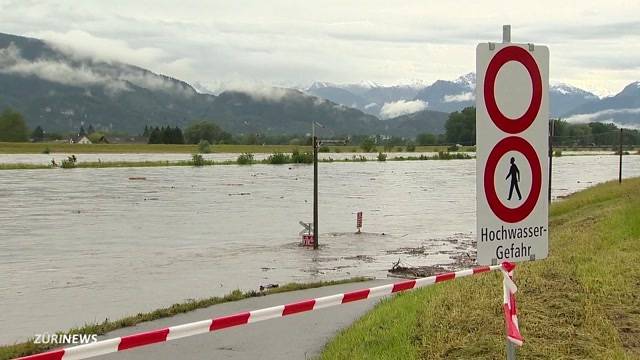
(512, 115)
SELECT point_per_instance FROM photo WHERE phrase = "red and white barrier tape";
(509, 305)
(180, 331)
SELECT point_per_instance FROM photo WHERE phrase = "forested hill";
(60, 91)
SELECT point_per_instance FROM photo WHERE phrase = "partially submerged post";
(620, 166)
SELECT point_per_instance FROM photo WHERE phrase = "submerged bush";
(301, 158)
(245, 159)
(445, 155)
(69, 163)
(557, 153)
(278, 158)
(46, 150)
(382, 156)
(197, 160)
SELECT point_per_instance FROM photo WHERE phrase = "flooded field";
(82, 245)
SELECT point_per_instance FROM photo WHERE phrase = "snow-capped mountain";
(366, 96)
(564, 98)
(442, 95)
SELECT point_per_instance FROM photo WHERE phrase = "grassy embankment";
(39, 148)
(583, 302)
(29, 348)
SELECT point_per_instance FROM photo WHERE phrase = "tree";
(368, 144)
(461, 127)
(38, 134)
(155, 137)
(205, 130)
(82, 131)
(91, 130)
(13, 127)
(427, 139)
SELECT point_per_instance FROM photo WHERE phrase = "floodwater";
(81, 245)
(45, 159)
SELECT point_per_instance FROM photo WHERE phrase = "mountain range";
(61, 90)
(442, 95)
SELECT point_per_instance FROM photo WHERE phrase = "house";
(79, 139)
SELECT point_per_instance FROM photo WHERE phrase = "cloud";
(283, 43)
(465, 96)
(261, 92)
(81, 45)
(402, 107)
(601, 116)
(12, 62)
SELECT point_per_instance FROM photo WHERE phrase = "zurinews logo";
(65, 339)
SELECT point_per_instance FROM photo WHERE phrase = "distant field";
(37, 148)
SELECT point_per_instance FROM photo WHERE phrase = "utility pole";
(315, 192)
(620, 167)
(314, 142)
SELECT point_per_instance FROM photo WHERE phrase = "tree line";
(460, 128)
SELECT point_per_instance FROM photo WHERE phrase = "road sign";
(512, 115)
(308, 227)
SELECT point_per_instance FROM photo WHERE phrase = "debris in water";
(364, 258)
(137, 178)
(398, 270)
(239, 194)
(268, 286)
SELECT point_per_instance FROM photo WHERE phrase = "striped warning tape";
(180, 331)
(509, 305)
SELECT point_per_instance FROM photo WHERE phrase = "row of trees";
(460, 128)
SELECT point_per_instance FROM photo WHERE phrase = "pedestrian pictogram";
(512, 105)
(514, 174)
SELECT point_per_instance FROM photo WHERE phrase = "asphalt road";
(300, 336)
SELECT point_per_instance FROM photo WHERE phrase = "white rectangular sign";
(512, 122)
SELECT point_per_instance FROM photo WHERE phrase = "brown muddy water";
(81, 245)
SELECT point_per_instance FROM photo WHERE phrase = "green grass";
(29, 347)
(38, 148)
(582, 302)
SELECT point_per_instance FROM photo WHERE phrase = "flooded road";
(81, 245)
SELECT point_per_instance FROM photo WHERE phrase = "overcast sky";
(594, 44)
